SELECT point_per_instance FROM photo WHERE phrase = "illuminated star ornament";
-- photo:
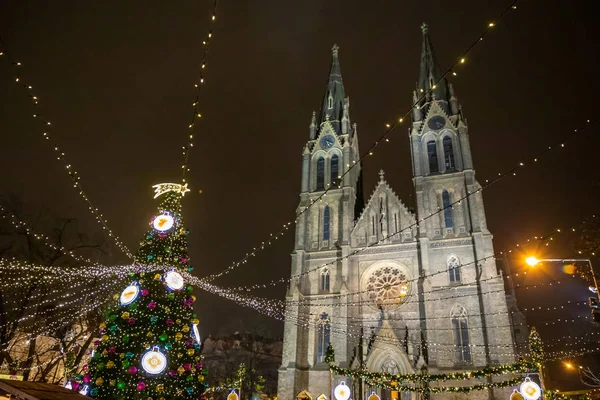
(163, 188)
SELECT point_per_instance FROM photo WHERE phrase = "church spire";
(333, 101)
(430, 77)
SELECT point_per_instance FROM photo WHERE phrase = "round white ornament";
(154, 362)
(163, 222)
(342, 391)
(174, 280)
(129, 295)
(530, 390)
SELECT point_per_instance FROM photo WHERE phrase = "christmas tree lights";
(149, 345)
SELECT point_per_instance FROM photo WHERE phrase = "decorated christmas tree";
(149, 345)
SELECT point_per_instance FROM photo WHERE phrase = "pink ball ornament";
(112, 350)
(152, 305)
(141, 386)
(131, 321)
(183, 259)
(132, 370)
(75, 385)
(162, 235)
(145, 292)
(86, 378)
(97, 342)
(172, 373)
(187, 367)
(169, 322)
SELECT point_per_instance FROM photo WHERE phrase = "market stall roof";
(38, 391)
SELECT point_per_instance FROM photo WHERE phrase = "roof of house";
(38, 391)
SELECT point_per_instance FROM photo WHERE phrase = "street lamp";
(594, 302)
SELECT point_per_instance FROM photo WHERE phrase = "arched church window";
(335, 161)
(448, 153)
(460, 330)
(454, 269)
(323, 337)
(326, 223)
(330, 101)
(448, 220)
(321, 173)
(324, 286)
(432, 157)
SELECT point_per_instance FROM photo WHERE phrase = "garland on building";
(421, 381)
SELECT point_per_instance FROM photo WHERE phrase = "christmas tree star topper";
(163, 188)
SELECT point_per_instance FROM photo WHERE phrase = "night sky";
(116, 80)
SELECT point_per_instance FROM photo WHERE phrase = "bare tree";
(26, 296)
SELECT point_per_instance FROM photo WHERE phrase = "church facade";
(391, 289)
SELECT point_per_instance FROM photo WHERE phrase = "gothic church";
(393, 279)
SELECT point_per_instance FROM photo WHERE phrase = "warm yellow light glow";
(532, 261)
(569, 365)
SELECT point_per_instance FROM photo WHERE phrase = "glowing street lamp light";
(594, 302)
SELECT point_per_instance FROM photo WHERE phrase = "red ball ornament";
(131, 321)
(141, 386)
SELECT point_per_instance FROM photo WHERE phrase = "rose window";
(387, 286)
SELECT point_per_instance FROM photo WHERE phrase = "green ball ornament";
(112, 318)
(125, 339)
(163, 336)
(121, 384)
(189, 288)
(94, 392)
(97, 355)
(153, 319)
(100, 366)
(171, 296)
(113, 328)
(149, 257)
(125, 364)
(167, 249)
(189, 378)
(133, 306)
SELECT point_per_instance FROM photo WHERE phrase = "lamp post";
(533, 261)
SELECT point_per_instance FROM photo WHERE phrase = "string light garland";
(370, 151)
(74, 176)
(196, 114)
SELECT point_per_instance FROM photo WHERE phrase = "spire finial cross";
(424, 28)
(334, 50)
(381, 175)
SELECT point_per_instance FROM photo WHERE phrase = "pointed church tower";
(322, 235)
(455, 244)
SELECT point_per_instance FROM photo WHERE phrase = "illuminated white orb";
(129, 295)
(163, 222)
(154, 362)
(196, 333)
(174, 280)
(530, 390)
(342, 391)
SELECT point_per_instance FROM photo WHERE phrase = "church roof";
(332, 108)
